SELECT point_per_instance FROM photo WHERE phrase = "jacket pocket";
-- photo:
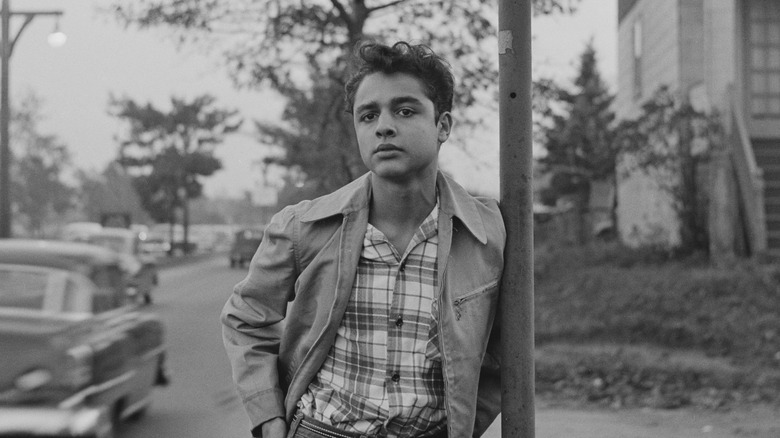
(478, 300)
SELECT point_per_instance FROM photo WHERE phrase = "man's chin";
(400, 175)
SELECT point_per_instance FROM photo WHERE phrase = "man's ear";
(444, 126)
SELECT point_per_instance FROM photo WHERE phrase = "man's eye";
(368, 117)
(406, 112)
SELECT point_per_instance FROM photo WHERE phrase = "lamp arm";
(27, 19)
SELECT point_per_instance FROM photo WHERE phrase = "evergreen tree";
(577, 132)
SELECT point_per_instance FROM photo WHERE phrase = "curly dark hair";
(416, 60)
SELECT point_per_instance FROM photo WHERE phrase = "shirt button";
(396, 378)
(400, 321)
(402, 267)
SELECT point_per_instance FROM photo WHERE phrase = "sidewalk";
(758, 422)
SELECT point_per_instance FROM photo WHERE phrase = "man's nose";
(385, 126)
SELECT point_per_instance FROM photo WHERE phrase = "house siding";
(720, 52)
(645, 210)
(660, 57)
(691, 51)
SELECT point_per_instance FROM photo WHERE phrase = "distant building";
(724, 56)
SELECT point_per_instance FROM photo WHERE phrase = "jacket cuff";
(265, 406)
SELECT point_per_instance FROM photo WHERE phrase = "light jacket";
(304, 269)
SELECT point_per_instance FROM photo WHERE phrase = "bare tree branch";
(386, 5)
(342, 12)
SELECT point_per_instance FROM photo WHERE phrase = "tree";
(670, 140)
(577, 130)
(301, 50)
(168, 152)
(38, 189)
(110, 191)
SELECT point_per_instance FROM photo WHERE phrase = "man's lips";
(386, 147)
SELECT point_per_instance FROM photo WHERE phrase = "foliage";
(168, 152)
(111, 191)
(38, 189)
(576, 128)
(640, 376)
(626, 326)
(670, 141)
(301, 50)
(619, 296)
(318, 142)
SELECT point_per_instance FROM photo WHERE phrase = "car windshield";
(114, 243)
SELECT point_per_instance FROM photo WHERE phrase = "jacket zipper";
(470, 296)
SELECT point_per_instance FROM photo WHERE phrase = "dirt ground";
(583, 422)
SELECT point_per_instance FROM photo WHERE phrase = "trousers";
(304, 427)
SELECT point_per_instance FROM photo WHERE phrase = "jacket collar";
(454, 200)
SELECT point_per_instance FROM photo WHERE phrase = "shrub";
(609, 293)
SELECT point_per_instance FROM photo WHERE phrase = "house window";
(636, 39)
(764, 58)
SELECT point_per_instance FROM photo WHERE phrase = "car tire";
(116, 414)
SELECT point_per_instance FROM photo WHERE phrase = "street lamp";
(6, 48)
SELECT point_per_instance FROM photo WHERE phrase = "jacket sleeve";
(489, 391)
(252, 320)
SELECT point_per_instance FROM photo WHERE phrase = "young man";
(371, 311)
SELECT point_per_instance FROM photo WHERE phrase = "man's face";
(396, 127)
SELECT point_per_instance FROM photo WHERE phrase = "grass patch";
(658, 329)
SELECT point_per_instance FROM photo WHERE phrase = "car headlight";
(33, 380)
(78, 369)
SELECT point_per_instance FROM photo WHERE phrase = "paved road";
(201, 402)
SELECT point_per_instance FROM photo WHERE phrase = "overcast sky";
(75, 80)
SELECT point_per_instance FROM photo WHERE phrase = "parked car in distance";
(245, 243)
(141, 265)
(155, 246)
(79, 231)
(77, 357)
(174, 238)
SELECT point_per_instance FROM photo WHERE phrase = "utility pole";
(6, 48)
(517, 287)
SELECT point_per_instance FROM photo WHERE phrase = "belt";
(305, 427)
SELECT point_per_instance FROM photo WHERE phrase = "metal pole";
(5, 152)
(6, 48)
(517, 299)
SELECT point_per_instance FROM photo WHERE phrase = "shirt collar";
(454, 201)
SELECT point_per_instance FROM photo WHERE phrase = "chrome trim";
(50, 421)
(136, 407)
(153, 353)
(79, 397)
(37, 314)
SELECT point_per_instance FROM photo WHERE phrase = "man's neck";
(398, 209)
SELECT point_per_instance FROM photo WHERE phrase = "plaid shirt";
(383, 373)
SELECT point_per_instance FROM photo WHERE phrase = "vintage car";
(141, 265)
(245, 243)
(77, 357)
